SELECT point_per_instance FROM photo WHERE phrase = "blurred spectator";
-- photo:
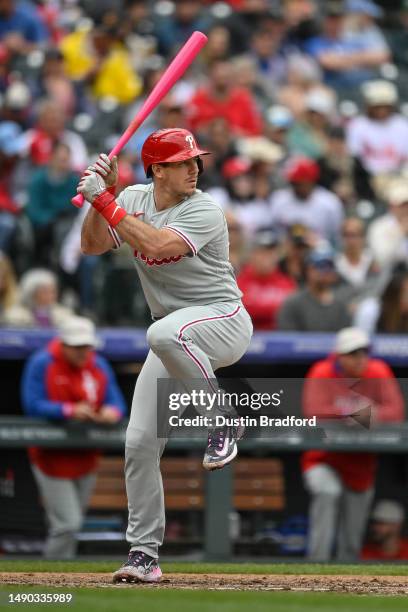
(270, 61)
(246, 76)
(38, 302)
(345, 480)
(238, 195)
(97, 58)
(21, 29)
(264, 285)
(237, 242)
(336, 166)
(389, 313)
(11, 147)
(298, 242)
(305, 202)
(50, 129)
(221, 98)
(278, 121)
(317, 307)
(346, 59)
(355, 263)
(377, 139)
(173, 30)
(388, 235)
(49, 207)
(68, 381)
(218, 45)
(309, 136)
(361, 28)
(8, 285)
(385, 540)
(303, 75)
(54, 84)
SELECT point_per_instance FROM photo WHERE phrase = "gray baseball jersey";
(204, 276)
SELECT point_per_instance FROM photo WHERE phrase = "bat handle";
(78, 200)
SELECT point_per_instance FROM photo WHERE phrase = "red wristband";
(106, 205)
(112, 190)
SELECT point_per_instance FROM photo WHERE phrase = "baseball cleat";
(221, 446)
(139, 567)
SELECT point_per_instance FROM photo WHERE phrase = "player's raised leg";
(194, 342)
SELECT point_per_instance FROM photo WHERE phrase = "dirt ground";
(381, 585)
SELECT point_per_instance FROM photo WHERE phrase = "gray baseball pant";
(336, 514)
(187, 344)
(65, 501)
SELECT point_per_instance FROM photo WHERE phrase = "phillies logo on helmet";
(190, 140)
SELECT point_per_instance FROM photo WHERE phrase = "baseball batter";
(179, 238)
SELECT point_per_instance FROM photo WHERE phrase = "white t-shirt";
(382, 146)
(322, 211)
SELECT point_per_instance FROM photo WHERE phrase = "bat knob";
(78, 200)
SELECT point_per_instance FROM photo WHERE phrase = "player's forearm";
(95, 238)
(141, 236)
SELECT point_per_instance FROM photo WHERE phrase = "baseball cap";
(397, 192)
(351, 339)
(235, 166)
(366, 7)
(320, 101)
(321, 257)
(379, 92)
(78, 331)
(266, 237)
(388, 511)
(279, 116)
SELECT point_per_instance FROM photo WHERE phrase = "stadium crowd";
(303, 104)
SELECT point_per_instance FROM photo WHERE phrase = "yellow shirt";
(115, 78)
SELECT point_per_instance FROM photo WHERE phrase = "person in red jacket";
(264, 285)
(349, 386)
(68, 381)
(221, 98)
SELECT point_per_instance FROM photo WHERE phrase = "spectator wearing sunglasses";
(355, 390)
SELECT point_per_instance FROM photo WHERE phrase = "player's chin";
(190, 188)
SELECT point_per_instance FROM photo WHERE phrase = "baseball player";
(179, 239)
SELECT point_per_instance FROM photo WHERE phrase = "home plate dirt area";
(379, 585)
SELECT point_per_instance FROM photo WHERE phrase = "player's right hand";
(108, 169)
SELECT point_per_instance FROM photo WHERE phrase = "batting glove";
(108, 169)
(93, 188)
(91, 185)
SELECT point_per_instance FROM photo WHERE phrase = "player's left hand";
(91, 185)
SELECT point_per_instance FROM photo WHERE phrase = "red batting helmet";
(170, 145)
(302, 169)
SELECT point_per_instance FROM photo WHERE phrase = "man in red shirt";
(264, 286)
(385, 541)
(341, 485)
(220, 98)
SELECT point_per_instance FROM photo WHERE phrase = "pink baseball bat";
(176, 69)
